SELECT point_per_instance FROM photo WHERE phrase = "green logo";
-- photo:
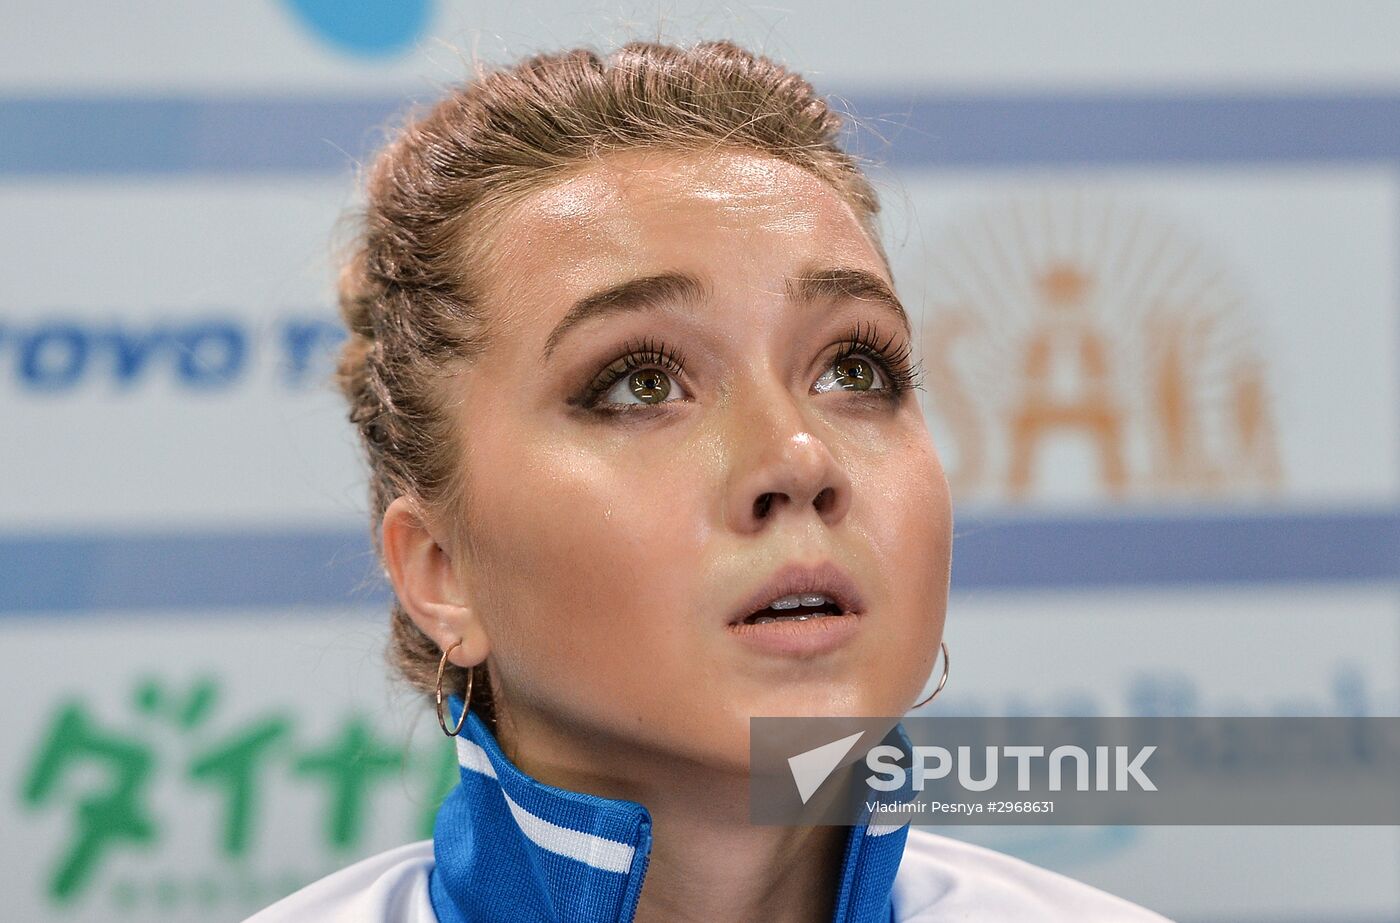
(126, 788)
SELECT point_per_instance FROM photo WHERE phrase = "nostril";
(825, 499)
(762, 505)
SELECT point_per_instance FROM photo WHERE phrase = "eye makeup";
(892, 357)
(637, 354)
(896, 363)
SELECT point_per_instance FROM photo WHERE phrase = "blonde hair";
(408, 290)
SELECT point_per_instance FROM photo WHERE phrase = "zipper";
(640, 862)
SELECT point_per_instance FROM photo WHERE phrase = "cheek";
(911, 539)
(909, 526)
(578, 568)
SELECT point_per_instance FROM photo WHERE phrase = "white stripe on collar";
(591, 849)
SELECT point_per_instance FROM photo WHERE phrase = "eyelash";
(900, 373)
(640, 354)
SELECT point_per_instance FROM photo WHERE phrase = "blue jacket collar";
(509, 847)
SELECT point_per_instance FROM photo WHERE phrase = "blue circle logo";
(367, 28)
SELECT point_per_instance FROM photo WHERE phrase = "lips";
(825, 578)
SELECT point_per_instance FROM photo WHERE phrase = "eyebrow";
(669, 289)
(645, 293)
(817, 283)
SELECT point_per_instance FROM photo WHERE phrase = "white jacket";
(940, 879)
(508, 848)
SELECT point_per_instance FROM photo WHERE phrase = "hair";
(410, 287)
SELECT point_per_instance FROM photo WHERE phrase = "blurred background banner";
(1151, 253)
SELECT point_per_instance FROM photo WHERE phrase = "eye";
(850, 373)
(866, 361)
(645, 375)
(642, 386)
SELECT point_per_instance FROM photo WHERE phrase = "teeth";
(799, 599)
(792, 601)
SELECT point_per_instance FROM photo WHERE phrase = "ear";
(427, 584)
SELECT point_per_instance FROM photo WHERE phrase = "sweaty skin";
(602, 556)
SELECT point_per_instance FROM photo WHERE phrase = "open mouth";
(814, 594)
(795, 609)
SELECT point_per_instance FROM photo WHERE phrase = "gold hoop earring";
(466, 699)
(942, 680)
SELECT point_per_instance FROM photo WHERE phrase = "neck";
(708, 861)
(703, 871)
(610, 831)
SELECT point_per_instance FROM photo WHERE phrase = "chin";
(823, 701)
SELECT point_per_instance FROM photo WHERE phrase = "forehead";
(735, 216)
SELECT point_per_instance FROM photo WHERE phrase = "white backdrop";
(1203, 195)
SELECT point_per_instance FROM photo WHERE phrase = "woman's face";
(639, 468)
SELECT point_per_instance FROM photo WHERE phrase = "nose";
(782, 468)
